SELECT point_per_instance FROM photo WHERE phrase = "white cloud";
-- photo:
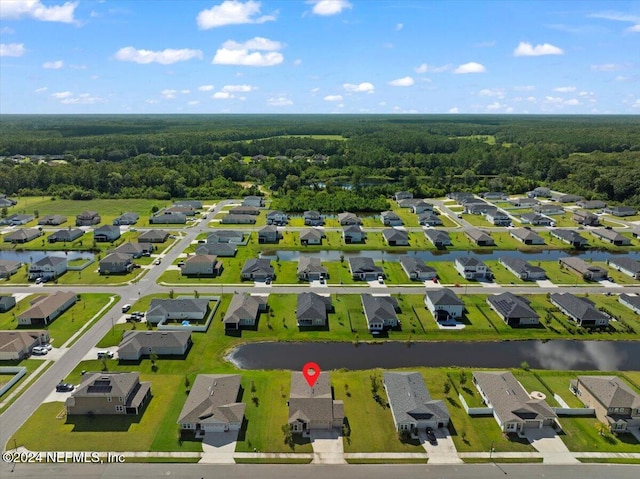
(206, 87)
(424, 68)
(56, 65)
(492, 92)
(455, 109)
(622, 78)
(168, 94)
(164, 57)
(553, 100)
(399, 26)
(41, 90)
(364, 87)
(222, 95)
(405, 81)
(232, 12)
(572, 102)
(62, 94)
(193, 102)
(606, 67)
(185, 92)
(78, 67)
(333, 98)
(565, 89)
(636, 104)
(524, 88)
(16, 9)
(239, 88)
(315, 90)
(12, 49)
(495, 106)
(82, 99)
(633, 29)
(485, 44)
(152, 101)
(7, 31)
(616, 16)
(525, 49)
(471, 67)
(297, 62)
(279, 101)
(234, 53)
(329, 7)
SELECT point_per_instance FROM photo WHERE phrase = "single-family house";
(478, 207)
(310, 236)
(418, 206)
(133, 249)
(631, 302)
(479, 237)
(312, 218)
(106, 234)
(402, 195)
(616, 404)
(626, 265)
(17, 219)
(513, 408)
(579, 266)
(52, 220)
(234, 219)
(109, 393)
(444, 304)
(180, 210)
(584, 217)
(620, 210)
(244, 310)
(257, 269)
(88, 218)
(548, 209)
(135, 344)
(380, 311)
(116, 263)
(524, 202)
(44, 309)
(498, 217)
(311, 269)
(470, 267)
(459, 195)
(395, 237)
(565, 198)
(353, 234)
(202, 266)
(312, 408)
(514, 310)
(8, 268)
(179, 309)
(16, 345)
(252, 200)
(347, 219)
(540, 191)
(128, 218)
(277, 218)
(439, 238)
(526, 236)
(416, 268)
(221, 250)
(390, 218)
(269, 234)
(213, 405)
(225, 236)
(494, 195)
(7, 302)
(570, 237)
(164, 217)
(153, 236)
(580, 310)
(193, 204)
(522, 269)
(364, 268)
(245, 210)
(611, 236)
(412, 407)
(536, 219)
(65, 236)
(47, 267)
(6, 202)
(312, 309)
(429, 218)
(23, 235)
(591, 204)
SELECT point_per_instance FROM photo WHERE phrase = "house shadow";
(105, 422)
(314, 328)
(380, 334)
(242, 433)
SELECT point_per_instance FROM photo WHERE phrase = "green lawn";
(583, 434)
(502, 275)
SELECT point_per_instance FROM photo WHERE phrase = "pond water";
(31, 256)
(555, 354)
(547, 255)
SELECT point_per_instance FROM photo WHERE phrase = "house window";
(186, 426)
(119, 408)
(108, 398)
(121, 399)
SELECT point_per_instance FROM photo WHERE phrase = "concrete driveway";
(328, 447)
(548, 443)
(219, 447)
(444, 452)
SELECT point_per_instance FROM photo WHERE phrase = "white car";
(39, 351)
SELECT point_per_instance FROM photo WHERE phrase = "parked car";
(48, 346)
(380, 280)
(64, 387)
(38, 280)
(158, 261)
(105, 354)
(431, 436)
(39, 351)
(126, 308)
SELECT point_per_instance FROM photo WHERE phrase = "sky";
(319, 56)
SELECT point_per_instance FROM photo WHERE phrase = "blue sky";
(326, 56)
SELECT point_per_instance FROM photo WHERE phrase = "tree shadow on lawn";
(105, 423)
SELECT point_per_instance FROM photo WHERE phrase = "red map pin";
(311, 372)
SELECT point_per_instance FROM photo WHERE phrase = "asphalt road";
(379, 471)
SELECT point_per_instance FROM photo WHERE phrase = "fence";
(17, 371)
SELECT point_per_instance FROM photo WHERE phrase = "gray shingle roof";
(467, 261)
(626, 263)
(526, 234)
(510, 306)
(410, 400)
(379, 308)
(443, 297)
(258, 265)
(478, 235)
(313, 403)
(580, 308)
(411, 263)
(361, 264)
(49, 261)
(243, 306)
(392, 234)
(437, 236)
(611, 391)
(168, 306)
(312, 306)
(134, 341)
(308, 264)
(213, 399)
(519, 265)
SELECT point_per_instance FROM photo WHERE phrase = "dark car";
(431, 436)
(64, 387)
